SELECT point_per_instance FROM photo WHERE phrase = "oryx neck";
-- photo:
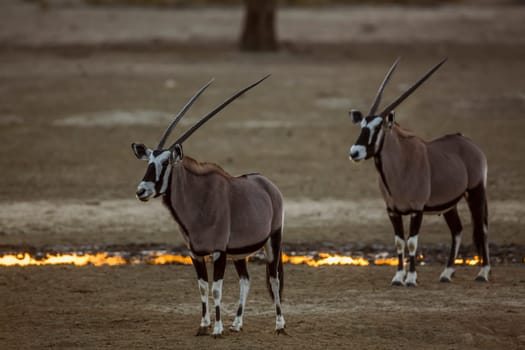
(378, 161)
(202, 169)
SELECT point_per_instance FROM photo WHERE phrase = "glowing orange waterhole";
(107, 259)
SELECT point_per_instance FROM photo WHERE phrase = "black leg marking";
(219, 266)
(217, 313)
(415, 225)
(275, 279)
(204, 309)
(400, 262)
(478, 208)
(477, 202)
(202, 274)
(200, 268)
(274, 269)
(454, 224)
(241, 266)
(412, 262)
(397, 224)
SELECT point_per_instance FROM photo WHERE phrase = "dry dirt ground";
(79, 84)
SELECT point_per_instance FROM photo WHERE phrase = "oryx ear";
(141, 151)
(177, 154)
(356, 116)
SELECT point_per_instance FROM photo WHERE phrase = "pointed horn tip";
(413, 88)
(377, 99)
(442, 61)
(263, 78)
(182, 113)
(190, 131)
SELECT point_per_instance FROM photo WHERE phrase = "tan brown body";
(428, 176)
(219, 212)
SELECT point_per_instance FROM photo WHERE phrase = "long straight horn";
(181, 114)
(377, 100)
(194, 128)
(411, 90)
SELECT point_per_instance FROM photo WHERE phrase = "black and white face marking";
(155, 181)
(369, 139)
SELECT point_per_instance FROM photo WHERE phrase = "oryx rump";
(219, 216)
(417, 177)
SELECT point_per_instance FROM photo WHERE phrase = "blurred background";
(81, 80)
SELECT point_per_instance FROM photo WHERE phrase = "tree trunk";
(258, 33)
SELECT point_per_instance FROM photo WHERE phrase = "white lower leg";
(447, 274)
(400, 273)
(216, 291)
(244, 286)
(483, 274)
(204, 291)
(279, 320)
(412, 248)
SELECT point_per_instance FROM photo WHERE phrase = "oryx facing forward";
(219, 215)
(417, 177)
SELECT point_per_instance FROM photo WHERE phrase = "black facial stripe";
(362, 140)
(157, 152)
(150, 174)
(158, 185)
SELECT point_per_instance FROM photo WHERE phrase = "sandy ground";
(158, 307)
(79, 84)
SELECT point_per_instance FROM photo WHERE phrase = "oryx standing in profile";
(418, 177)
(219, 215)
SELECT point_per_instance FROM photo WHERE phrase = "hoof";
(411, 284)
(481, 279)
(235, 329)
(445, 280)
(203, 331)
(217, 336)
(280, 331)
(397, 284)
